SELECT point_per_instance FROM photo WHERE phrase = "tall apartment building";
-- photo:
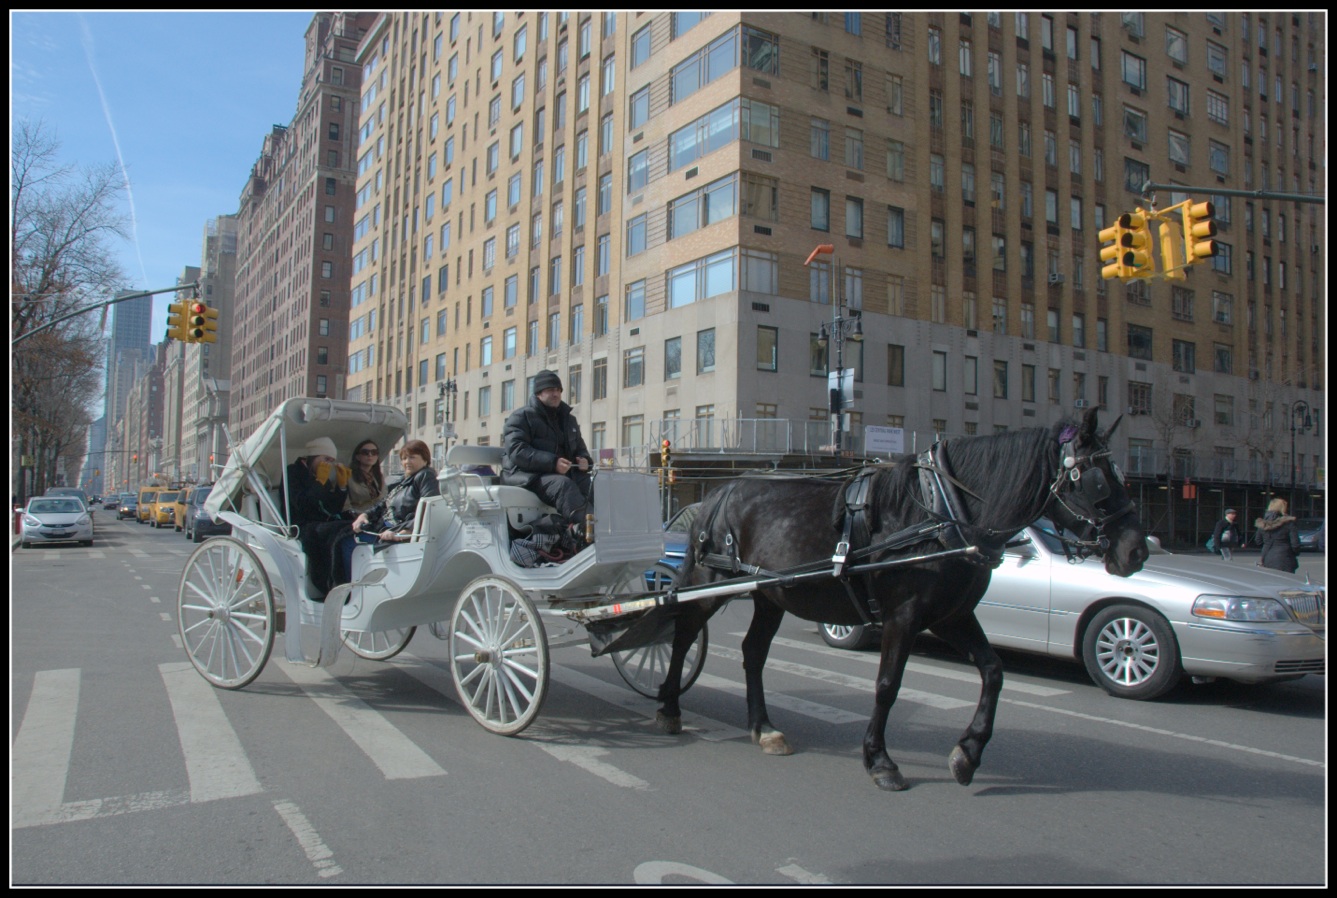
(632, 199)
(127, 352)
(208, 365)
(294, 220)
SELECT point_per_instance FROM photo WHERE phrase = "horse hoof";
(773, 743)
(961, 767)
(670, 725)
(888, 780)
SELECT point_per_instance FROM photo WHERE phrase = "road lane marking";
(933, 700)
(40, 759)
(395, 754)
(1188, 737)
(317, 852)
(963, 676)
(216, 763)
(824, 713)
(801, 876)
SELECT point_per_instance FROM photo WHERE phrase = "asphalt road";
(129, 768)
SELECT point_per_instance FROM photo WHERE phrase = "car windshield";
(682, 521)
(167, 497)
(198, 496)
(55, 506)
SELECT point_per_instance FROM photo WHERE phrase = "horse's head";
(1089, 498)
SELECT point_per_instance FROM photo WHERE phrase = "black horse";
(953, 508)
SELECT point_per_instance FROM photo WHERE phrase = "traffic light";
(1199, 229)
(665, 453)
(176, 322)
(201, 323)
(1138, 258)
(1113, 255)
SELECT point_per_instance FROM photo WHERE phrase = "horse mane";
(1030, 454)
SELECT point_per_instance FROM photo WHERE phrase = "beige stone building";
(631, 199)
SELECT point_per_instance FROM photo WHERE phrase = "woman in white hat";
(317, 484)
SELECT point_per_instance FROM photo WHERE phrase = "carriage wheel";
(644, 668)
(499, 655)
(225, 613)
(379, 646)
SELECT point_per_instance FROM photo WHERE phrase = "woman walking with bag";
(1276, 533)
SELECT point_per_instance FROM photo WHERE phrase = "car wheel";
(842, 637)
(1131, 652)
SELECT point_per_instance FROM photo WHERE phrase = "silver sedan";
(1138, 636)
(49, 519)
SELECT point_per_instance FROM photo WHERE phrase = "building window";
(673, 358)
(895, 365)
(633, 367)
(1139, 342)
(705, 351)
(1000, 380)
(768, 348)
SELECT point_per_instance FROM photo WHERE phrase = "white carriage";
(455, 575)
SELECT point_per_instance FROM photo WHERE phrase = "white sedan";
(1138, 636)
(51, 519)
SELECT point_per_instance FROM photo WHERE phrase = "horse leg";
(766, 617)
(687, 625)
(967, 636)
(897, 639)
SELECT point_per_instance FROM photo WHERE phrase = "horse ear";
(1088, 429)
(1109, 433)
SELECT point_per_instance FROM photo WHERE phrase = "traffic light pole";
(102, 305)
(1149, 188)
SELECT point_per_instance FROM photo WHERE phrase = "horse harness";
(948, 522)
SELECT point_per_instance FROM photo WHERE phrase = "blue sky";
(181, 100)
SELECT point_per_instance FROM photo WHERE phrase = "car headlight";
(30, 521)
(1240, 608)
(86, 519)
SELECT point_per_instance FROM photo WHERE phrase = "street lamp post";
(445, 391)
(1303, 421)
(843, 327)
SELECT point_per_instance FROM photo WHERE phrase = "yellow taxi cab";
(164, 508)
(147, 496)
(179, 508)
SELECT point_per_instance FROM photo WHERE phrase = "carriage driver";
(545, 453)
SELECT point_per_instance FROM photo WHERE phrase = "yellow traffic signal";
(176, 322)
(210, 334)
(1112, 255)
(1138, 259)
(1199, 229)
(195, 321)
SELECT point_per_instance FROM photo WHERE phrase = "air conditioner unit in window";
(1083, 403)
(1055, 278)
(1193, 423)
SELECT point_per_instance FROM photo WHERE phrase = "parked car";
(676, 534)
(198, 524)
(1181, 615)
(71, 491)
(52, 519)
(128, 507)
(1312, 534)
(163, 509)
(179, 508)
(147, 495)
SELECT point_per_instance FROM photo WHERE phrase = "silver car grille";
(1306, 607)
(1315, 666)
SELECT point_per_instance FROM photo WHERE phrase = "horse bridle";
(1083, 477)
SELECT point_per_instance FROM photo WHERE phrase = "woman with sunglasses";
(366, 486)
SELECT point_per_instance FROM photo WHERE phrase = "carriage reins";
(1079, 471)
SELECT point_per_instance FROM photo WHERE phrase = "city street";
(128, 768)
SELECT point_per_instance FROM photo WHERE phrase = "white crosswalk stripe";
(41, 755)
(216, 763)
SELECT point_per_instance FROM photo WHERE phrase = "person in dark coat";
(317, 494)
(1226, 537)
(392, 518)
(545, 453)
(1276, 533)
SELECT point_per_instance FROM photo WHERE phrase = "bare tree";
(61, 218)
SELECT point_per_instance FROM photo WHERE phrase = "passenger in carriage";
(366, 486)
(317, 494)
(545, 453)
(392, 517)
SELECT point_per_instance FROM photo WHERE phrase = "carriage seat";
(432, 518)
(522, 507)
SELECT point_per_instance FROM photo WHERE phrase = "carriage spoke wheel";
(499, 655)
(225, 613)
(380, 646)
(644, 668)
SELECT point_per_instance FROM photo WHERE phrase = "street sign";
(883, 441)
(842, 381)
